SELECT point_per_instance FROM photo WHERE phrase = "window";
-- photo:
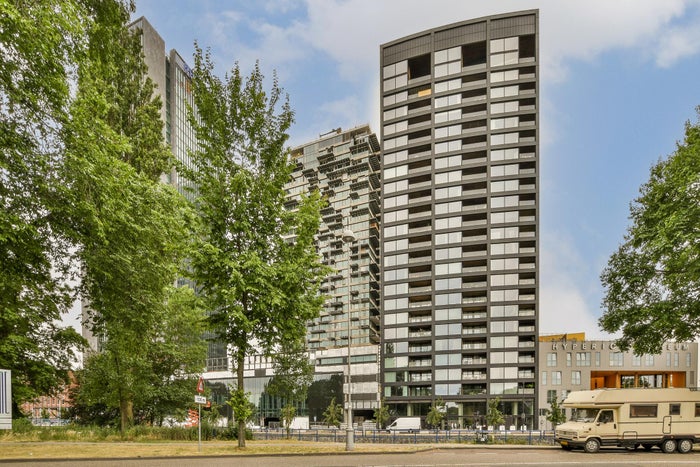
(606, 416)
(617, 359)
(583, 359)
(636, 360)
(568, 359)
(552, 359)
(544, 378)
(688, 359)
(597, 359)
(551, 395)
(674, 409)
(648, 360)
(576, 378)
(643, 411)
(697, 410)
(556, 378)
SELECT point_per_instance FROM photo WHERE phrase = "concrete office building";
(459, 113)
(570, 362)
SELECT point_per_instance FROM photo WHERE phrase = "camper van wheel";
(668, 446)
(592, 445)
(685, 446)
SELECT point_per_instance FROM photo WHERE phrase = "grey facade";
(568, 365)
(460, 147)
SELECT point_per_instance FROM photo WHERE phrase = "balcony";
(474, 361)
(420, 334)
(419, 363)
(473, 376)
(474, 346)
(420, 378)
(469, 300)
(474, 315)
(474, 330)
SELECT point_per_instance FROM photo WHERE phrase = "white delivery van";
(408, 424)
(667, 418)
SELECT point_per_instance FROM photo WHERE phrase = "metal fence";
(423, 436)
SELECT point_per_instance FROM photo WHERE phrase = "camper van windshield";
(584, 415)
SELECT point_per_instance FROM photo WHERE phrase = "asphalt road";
(436, 457)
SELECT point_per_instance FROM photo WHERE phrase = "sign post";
(199, 400)
(5, 400)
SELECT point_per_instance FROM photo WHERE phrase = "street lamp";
(348, 238)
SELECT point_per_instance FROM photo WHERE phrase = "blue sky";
(618, 80)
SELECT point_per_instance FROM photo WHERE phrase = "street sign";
(200, 400)
(200, 385)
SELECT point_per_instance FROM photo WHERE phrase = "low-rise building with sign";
(570, 362)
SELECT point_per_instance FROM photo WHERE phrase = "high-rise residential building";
(459, 129)
(344, 167)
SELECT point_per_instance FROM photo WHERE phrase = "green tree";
(494, 416)
(555, 414)
(293, 372)
(288, 413)
(333, 414)
(256, 263)
(40, 43)
(382, 415)
(436, 414)
(651, 282)
(131, 231)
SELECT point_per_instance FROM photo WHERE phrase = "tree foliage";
(256, 262)
(436, 414)
(39, 44)
(333, 414)
(382, 415)
(288, 413)
(494, 416)
(162, 382)
(555, 414)
(652, 282)
(131, 231)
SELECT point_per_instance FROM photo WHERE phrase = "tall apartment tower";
(344, 167)
(460, 219)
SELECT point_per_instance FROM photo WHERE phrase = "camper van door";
(606, 425)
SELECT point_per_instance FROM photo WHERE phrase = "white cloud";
(676, 44)
(566, 290)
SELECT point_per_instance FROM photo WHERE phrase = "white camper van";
(409, 424)
(667, 418)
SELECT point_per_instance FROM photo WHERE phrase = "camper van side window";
(643, 411)
(697, 410)
(674, 409)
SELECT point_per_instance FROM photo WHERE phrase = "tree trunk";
(239, 378)
(126, 410)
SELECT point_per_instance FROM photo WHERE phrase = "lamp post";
(348, 238)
